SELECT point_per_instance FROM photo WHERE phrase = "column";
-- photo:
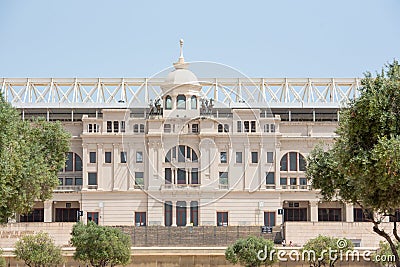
(173, 213)
(84, 165)
(314, 211)
(48, 211)
(130, 161)
(349, 212)
(246, 160)
(115, 161)
(277, 163)
(100, 161)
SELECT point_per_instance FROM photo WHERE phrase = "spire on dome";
(181, 64)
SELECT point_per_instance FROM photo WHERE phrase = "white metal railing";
(180, 186)
(68, 188)
(137, 92)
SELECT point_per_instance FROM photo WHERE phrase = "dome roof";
(181, 77)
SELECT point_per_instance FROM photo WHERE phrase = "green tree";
(251, 252)
(100, 245)
(31, 154)
(325, 250)
(2, 259)
(38, 250)
(363, 165)
(384, 255)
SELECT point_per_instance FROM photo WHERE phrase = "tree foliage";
(2, 259)
(31, 154)
(363, 165)
(38, 250)
(100, 245)
(246, 251)
(325, 250)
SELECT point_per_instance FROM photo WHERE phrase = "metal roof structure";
(138, 92)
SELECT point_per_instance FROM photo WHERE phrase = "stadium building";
(186, 151)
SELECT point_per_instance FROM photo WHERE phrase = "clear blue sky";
(121, 38)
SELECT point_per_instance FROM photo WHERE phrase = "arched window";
(181, 153)
(193, 102)
(73, 162)
(292, 176)
(293, 161)
(168, 102)
(181, 102)
(71, 174)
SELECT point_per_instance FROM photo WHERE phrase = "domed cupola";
(181, 89)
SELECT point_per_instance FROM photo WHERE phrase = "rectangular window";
(90, 127)
(92, 178)
(272, 127)
(136, 128)
(254, 157)
(293, 183)
(220, 128)
(37, 215)
(295, 214)
(116, 123)
(239, 126)
(253, 126)
(223, 180)
(303, 183)
(329, 215)
(69, 181)
(222, 218)
(195, 176)
(139, 157)
(239, 158)
(93, 216)
(195, 128)
(92, 157)
(223, 157)
(181, 176)
(140, 218)
(194, 213)
(181, 213)
(109, 126)
(123, 157)
(168, 176)
(122, 126)
(139, 179)
(246, 126)
(141, 128)
(107, 158)
(293, 161)
(361, 216)
(78, 181)
(266, 128)
(269, 218)
(270, 157)
(270, 178)
(283, 182)
(168, 213)
(167, 128)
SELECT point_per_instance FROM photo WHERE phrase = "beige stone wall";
(10, 233)
(300, 232)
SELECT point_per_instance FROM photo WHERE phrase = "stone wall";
(300, 232)
(199, 236)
